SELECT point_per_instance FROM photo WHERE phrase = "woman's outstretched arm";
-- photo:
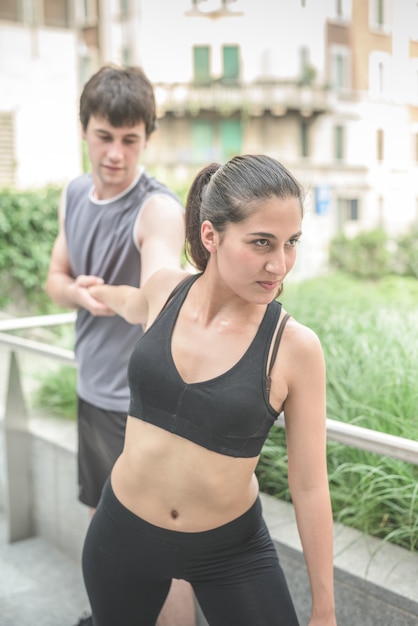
(128, 302)
(139, 305)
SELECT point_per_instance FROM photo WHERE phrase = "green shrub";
(57, 393)
(28, 227)
(405, 256)
(364, 256)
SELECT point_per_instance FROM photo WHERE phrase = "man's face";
(114, 155)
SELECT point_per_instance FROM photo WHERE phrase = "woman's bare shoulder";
(159, 286)
(301, 337)
(301, 346)
(165, 279)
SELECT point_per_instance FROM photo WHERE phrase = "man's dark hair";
(123, 96)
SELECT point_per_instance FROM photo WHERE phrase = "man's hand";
(79, 290)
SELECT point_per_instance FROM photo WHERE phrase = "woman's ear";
(209, 236)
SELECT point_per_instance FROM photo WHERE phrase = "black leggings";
(128, 565)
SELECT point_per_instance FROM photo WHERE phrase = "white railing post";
(19, 490)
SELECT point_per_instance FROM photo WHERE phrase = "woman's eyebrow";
(271, 236)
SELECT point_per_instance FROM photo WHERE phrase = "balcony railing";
(254, 99)
(17, 432)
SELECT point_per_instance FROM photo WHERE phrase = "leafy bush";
(57, 393)
(28, 227)
(405, 257)
(364, 256)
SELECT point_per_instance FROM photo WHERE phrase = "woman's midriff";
(176, 484)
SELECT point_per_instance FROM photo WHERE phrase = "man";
(117, 225)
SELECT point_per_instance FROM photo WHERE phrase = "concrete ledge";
(376, 583)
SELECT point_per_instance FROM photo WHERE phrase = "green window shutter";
(201, 64)
(202, 141)
(230, 62)
(231, 139)
(380, 12)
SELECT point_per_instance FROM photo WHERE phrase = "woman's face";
(254, 256)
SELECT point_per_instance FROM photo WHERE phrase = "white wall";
(39, 86)
(268, 33)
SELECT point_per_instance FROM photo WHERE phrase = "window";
(201, 64)
(323, 196)
(348, 209)
(343, 9)
(230, 63)
(7, 152)
(231, 139)
(203, 140)
(304, 139)
(339, 143)
(124, 8)
(340, 67)
(218, 141)
(380, 14)
(89, 11)
(381, 77)
(126, 56)
(380, 64)
(380, 144)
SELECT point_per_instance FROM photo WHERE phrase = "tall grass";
(369, 334)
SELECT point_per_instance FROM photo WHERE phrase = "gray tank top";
(100, 240)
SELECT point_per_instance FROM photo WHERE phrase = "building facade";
(329, 87)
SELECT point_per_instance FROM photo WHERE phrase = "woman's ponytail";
(196, 253)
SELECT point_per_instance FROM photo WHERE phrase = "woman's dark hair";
(229, 193)
(123, 96)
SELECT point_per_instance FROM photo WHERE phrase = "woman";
(182, 501)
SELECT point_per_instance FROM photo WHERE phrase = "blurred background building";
(328, 87)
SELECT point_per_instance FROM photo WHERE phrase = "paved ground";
(39, 586)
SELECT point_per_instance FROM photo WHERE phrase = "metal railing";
(17, 432)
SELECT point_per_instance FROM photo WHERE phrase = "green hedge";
(28, 227)
(372, 254)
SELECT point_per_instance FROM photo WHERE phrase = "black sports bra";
(230, 413)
